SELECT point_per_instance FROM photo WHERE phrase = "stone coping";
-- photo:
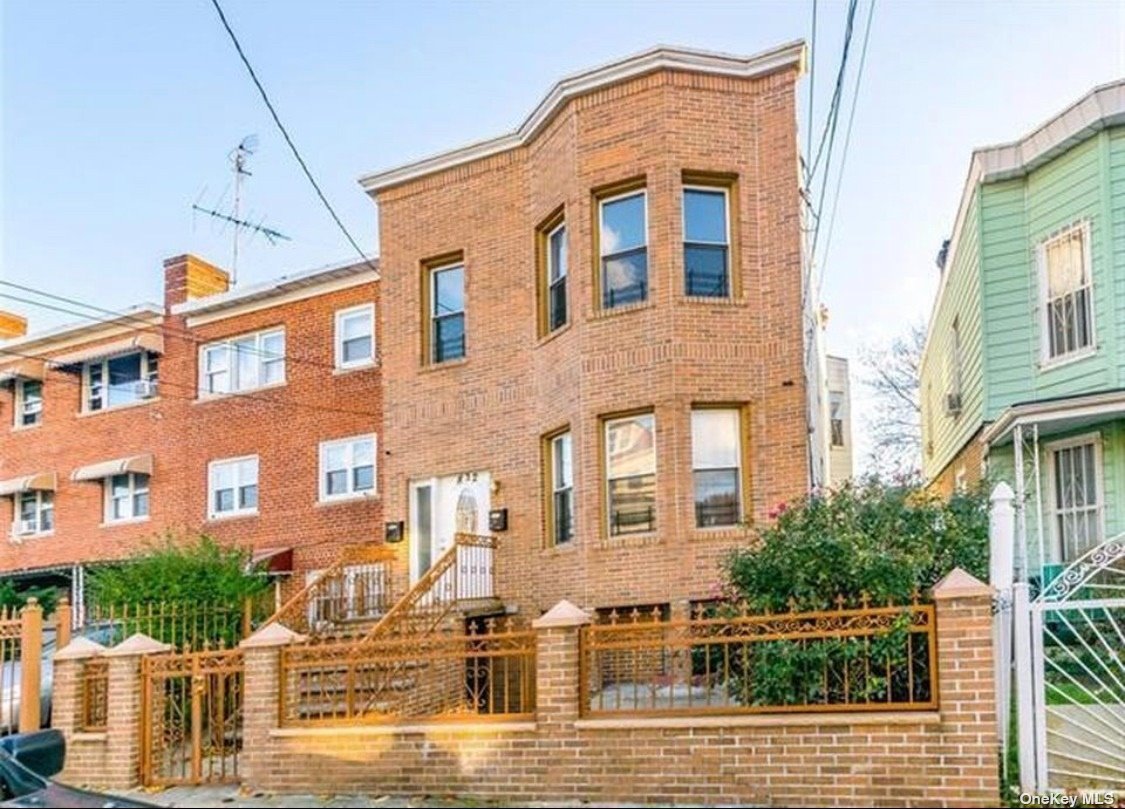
(424, 728)
(817, 719)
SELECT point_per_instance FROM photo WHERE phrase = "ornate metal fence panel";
(95, 695)
(191, 723)
(10, 670)
(724, 660)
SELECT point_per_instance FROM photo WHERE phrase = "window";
(706, 242)
(556, 277)
(232, 487)
(355, 336)
(630, 451)
(623, 248)
(29, 402)
(836, 417)
(716, 462)
(35, 513)
(126, 497)
(243, 363)
(1067, 293)
(560, 506)
(118, 381)
(347, 467)
(954, 359)
(1077, 484)
(447, 313)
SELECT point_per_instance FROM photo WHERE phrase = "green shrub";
(12, 600)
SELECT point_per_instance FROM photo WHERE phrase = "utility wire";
(812, 90)
(847, 143)
(285, 134)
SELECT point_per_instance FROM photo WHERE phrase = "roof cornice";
(136, 318)
(659, 58)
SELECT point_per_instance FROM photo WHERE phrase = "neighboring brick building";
(114, 434)
(566, 304)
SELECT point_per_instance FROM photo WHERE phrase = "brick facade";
(966, 469)
(490, 411)
(283, 425)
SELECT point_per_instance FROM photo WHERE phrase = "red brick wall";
(283, 425)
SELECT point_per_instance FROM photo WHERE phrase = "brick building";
(250, 414)
(593, 326)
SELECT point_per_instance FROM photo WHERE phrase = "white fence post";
(1025, 699)
(1001, 542)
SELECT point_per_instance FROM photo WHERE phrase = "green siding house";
(1023, 373)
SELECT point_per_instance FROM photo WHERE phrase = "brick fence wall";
(946, 757)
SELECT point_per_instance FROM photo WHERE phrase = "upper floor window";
(29, 402)
(232, 487)
(836, 417)
(630, 464)
(556, 277)
(716, 461)
(1067, 293)
(126, 497)
(355, 336)
(1076, 480)
(35, 513)
(560, 505)
(447, 313)
(122, 380)
(623, 248)
(706, 242)
(347, 467)
(242, 363)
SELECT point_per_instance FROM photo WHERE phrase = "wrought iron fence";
(181, 624)
(724, 660)
(95, 695)
(11, 649)
(484, 672)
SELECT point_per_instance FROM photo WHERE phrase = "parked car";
(27, 762)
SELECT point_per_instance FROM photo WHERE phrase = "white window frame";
(135, 488)
(366, 309)
(351, 493)
(1056, 554)
(739, 472)
(148, 371)
(44, 502)
(642, 192)
(21, 404)
(227, 346)
(708, 189)
(1045, 358)
(608, 477)
(212, 514)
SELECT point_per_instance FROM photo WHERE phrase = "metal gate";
(1071, 662)
(191, 722)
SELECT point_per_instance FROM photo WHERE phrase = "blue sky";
(117, 116)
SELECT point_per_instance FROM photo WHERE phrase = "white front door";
(442, 507)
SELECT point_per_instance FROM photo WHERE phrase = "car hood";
(57, 795)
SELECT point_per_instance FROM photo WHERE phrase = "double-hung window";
(560, 508)
(556, 277)
(126, 497)
(232, 487)
(29, 402)
(836, 417)
(242, 363)
(1067, 294)
(1077, 483)
(706, 213)
(347, 468)
(447, 313)
(630, 462)
(716, 460)
(355, 336)
(623, 248)
(35, 513)
(122, 380)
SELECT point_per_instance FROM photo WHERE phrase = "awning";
(22, 369)
(141, 464)
(147, 341)
(273, 560)
(43, 481)
(1052, 416)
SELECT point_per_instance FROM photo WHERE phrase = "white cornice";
(74, 334)
(658, 58)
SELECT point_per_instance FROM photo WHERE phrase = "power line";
(812, 89)
(285, 134)
(847, 143)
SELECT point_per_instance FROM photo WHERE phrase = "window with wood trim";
(630, 470)
(559, 494)
(622, 230)
(551, 244)
(716, 461)
(706, 221)
(445, 311)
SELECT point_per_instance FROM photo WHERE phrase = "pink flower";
(778, 510)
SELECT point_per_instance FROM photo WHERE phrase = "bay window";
(630, 464)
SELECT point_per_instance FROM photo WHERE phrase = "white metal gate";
(1070, 672)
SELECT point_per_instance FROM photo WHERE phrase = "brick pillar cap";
(136, 645)
(562, 614)
(270, 635)
(958, 583)
(80, 649)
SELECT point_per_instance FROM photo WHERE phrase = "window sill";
(238, 515)
(353, 369)
(562, 548)
(431, 367)
(328, 502)
(117, 408)
(23, 428)
(602, 314)
(222, 397)
(130, 521)
(552, 335)
(1068, 359)
(630, 540)
(18, 538)
(720, 532)
(703, 300)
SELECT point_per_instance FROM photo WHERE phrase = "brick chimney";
(187, 277)
(12, 325)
